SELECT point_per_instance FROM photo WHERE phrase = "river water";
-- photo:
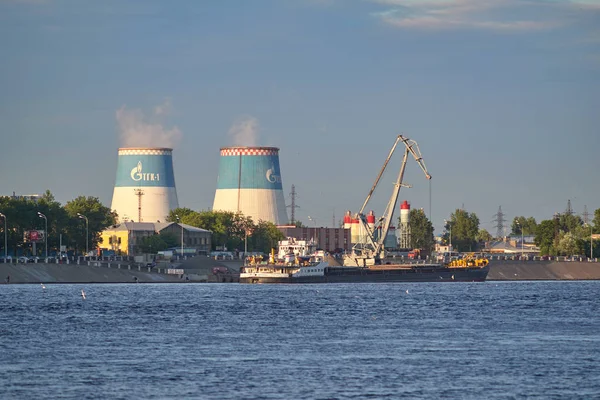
(492, 340)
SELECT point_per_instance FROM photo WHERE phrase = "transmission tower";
(569, 210)
(293, 205)
(499, 220)
(586, 215)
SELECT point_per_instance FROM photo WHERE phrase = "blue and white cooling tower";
(249, 182)
(145, 185)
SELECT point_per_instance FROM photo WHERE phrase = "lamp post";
(591, 241)
(314, 221)
(81, 216)
(46, 232)
(5, 241)
(449, 236)
(179, 221)
(522, 241)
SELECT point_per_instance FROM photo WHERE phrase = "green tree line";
(230, 230)
(22, 215)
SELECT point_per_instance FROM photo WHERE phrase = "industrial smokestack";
(145, 185)
(249, 182)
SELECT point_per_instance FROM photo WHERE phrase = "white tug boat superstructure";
(296, 261)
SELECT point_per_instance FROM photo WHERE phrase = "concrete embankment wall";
(543, 270)
(73, 273)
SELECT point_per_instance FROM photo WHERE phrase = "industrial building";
(125, 238)
(358, 234)
(145, 185)
(249, 181)
(28, 197)
(328, 239)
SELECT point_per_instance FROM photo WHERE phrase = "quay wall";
(543, 270)
(73, 273)
(200, 271)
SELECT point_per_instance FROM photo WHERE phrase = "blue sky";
(503, 97)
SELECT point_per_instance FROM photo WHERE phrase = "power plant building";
(249, 182)
(145, 185)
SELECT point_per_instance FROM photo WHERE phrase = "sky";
(502, 97)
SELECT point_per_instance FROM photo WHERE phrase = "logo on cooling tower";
(271, 177)
(137, 174)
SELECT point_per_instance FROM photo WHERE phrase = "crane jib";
(375, 246)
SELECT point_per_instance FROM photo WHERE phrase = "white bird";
(82, 294)
(43, 287)
(452, 277)
(406, 291)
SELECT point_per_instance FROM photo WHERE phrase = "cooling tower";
(249, 182)
(145, 185)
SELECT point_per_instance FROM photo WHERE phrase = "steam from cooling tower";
(245, 131)
(138, 130)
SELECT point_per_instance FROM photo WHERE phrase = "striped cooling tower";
(145, 185)
(249, 182)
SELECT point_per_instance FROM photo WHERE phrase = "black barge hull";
(417, 274)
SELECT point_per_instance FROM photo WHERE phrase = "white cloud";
(495, 15)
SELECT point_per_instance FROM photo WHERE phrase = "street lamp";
(81, 216)
(179, 221)
(314, 221)
(522, 241)
(45, 233)
(449, 235)
(591, 241)
(5, 241)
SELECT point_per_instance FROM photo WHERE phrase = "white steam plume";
(245, 131)
(137, 130)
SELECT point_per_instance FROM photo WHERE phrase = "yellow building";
(125, 238)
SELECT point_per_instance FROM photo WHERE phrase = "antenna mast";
(139, 193)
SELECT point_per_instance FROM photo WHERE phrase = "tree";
(184, 213)
(527, 226)
(465, 227)
(596, 221)
(545, 235)
(264, 237)
(228, 228)
(99, 217)
(484, 236)
(421, 230)
(568, 244)
(160, 242)
(569, 222)
(153, 244)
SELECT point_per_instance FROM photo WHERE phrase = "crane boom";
(413, 148)
(387, 160)
(371, 251)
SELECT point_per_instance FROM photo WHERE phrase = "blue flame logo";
(271, 175)
(137, 174)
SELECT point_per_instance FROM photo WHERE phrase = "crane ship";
(367, 261)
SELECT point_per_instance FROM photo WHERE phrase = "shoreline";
(74, 274)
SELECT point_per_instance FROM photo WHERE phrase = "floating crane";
(371, 251)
